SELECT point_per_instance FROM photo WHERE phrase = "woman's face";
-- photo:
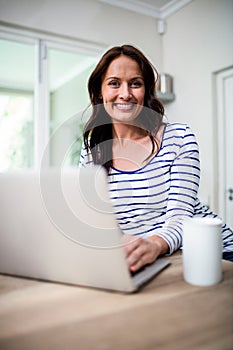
(123, 89)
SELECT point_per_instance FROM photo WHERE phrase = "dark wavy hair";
(98, 133)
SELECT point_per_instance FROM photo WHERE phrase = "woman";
(153, 166)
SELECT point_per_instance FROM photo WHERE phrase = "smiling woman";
(120, 87)
(153, 166)
(123, 90)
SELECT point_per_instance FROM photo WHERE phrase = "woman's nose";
(124, 92)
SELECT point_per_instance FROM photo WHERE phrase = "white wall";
(199, 42)
(86, 20)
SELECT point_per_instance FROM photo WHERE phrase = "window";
(68, 74)
(43, 93)
(16, 130)
(16, 105)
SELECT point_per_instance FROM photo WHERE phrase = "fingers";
(131, 243)
(136, 262)
(139, 252)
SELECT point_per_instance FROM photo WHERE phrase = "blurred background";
(49, 48)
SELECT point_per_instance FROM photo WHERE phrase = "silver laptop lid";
(60, 226)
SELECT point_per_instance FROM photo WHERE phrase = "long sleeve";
(182, 195)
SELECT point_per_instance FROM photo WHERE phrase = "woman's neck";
(132, 146)
(123, 132)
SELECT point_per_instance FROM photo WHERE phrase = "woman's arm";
(184, 183)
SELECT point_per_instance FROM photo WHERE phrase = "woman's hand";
(140, 252)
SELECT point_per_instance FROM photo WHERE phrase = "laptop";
(59, 225)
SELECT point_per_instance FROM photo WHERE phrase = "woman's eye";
(136, 83)
(114, 83)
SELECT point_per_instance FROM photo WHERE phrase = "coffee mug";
(202, 251)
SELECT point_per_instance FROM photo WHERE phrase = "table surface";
(166, 314)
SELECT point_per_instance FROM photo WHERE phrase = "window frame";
(43, 42)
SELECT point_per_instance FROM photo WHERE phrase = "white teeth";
(124, 106)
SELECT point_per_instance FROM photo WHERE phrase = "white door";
(225, 144)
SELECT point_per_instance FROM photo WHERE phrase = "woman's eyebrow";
(134, 78)
(137, 77)
(112, 77)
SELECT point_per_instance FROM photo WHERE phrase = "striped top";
(155, 198)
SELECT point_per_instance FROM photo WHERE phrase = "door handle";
(230, 190)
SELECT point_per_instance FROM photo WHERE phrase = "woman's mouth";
(124, 106)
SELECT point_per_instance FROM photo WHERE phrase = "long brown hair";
(98, 132)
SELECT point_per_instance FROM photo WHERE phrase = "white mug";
(202, 251)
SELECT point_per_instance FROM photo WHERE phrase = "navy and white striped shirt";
(155, 198)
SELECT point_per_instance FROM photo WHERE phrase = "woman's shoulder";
(179, 134)
(176, 126)
(178, 130)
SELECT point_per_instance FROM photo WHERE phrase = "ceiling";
(154, 8)
(65, 65)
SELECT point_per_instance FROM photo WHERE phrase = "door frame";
(219, 145)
